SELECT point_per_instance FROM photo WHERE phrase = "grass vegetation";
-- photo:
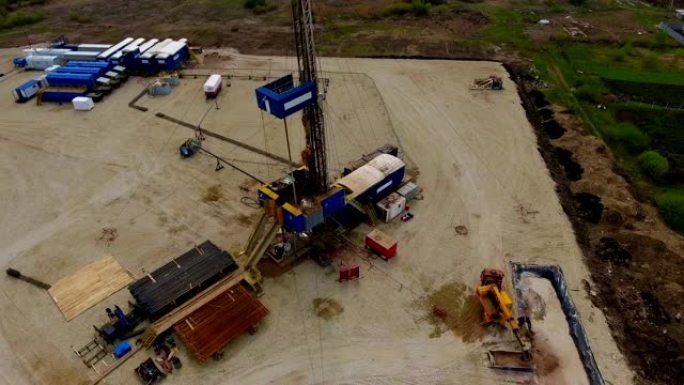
(12, 16)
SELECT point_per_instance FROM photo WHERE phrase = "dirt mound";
(639, 280)
(454, 307)
(327, 308)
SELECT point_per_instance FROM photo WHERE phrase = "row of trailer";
(93, 70)
(72, 80)
(141, 56)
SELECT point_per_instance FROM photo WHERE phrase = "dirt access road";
(74, 174)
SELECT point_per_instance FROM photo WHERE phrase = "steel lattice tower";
(314, 124)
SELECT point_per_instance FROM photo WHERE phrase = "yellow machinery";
(496, 304)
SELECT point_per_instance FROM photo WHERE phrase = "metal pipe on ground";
(16, 274)
(226, 139)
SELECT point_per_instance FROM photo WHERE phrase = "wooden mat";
(89, 285)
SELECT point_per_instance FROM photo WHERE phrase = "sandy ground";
(67, 175)
(555, 353)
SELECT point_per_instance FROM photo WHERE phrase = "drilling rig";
(314, 156)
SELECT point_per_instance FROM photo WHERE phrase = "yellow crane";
(496, 305)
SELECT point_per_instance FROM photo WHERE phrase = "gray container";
(408, 191)
(159, 88)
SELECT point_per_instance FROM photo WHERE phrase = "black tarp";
(181, 279)
(555, 275)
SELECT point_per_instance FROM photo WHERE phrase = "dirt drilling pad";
(89, 286)
(76, 174)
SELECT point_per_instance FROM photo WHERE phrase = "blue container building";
(95, 64)
(80, 70)
(71, 80)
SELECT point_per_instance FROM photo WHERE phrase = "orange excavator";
(496, 305)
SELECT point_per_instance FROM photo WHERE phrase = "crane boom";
(314, 124)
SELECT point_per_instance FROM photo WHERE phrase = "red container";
(348, 273)
(382, 244)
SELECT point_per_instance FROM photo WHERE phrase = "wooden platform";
(89, 285)
(210, 328)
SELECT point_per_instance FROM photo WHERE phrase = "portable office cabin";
(59, 52)
(93, 47)
(147, 61)
(71, 80)
(40, 62)
(173, 56)
(94, 64)
(81, 56)
(114, 49)
(147, 45)
(62, 95)
(26, 91)
(80, 70)
(128, 54)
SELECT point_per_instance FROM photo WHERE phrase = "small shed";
(391, 207)
(382, 244)
(83, 103)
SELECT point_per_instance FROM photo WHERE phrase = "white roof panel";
(360, 180)
(115, 48)
(386, 163)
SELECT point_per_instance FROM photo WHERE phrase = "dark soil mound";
(589, 207)
(573, 170)
(608, 249)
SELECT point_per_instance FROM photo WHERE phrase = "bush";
(18, 19)
(260, 6)
(629, 136)
(649, 61)
(653, 164)
(671, 207)
(416, 7)
(588, 93)
(252, 4)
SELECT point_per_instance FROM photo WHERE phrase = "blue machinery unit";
(281, 98)
(368, 184)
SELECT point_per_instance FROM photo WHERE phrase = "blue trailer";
(173, 55)
(71, 80)
(62, 95)
(95, 64)
(80, 70)
(26, 91)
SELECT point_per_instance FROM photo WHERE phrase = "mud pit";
(554, 352)
(73, 174)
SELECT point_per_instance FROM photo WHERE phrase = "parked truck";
(212, 87)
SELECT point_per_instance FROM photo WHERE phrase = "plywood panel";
(91, 284)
